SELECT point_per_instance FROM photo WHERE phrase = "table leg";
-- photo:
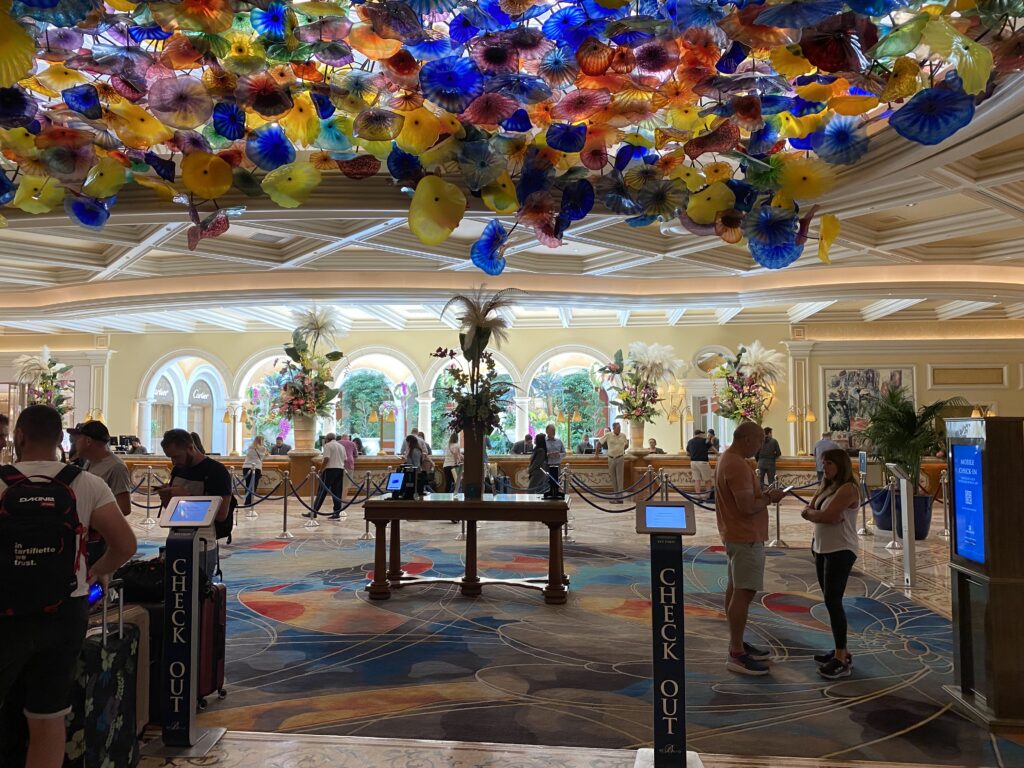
(471, 582)
(379, 588)
(554, 592)
(395, 572)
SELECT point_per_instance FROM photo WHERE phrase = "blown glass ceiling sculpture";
(730, 117)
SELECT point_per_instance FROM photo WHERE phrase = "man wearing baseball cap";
(92, 443)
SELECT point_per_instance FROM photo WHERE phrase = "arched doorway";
(379, 401)
(185, 391)
(566, 391)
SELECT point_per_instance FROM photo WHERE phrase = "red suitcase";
(213, 621)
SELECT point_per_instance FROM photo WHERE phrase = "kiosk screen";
(969, 502)
(190, 511)
(665, 517)
(395, 481)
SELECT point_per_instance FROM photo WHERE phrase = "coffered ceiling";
(922, 230)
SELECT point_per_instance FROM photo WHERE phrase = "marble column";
(522, 417)
(144, 422)
(233, 438)
(800, 393)
(426, 406)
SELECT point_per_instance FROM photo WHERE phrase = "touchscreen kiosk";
(395, 481)
(191, 512)
(968, 502)
(674, 517)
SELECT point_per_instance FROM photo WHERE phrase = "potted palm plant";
(898, 433)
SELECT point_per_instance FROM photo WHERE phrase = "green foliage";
(899, 434)
(362, 394)
(261, 417)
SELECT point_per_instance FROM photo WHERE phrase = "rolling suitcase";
(101, 729)
(213, 620)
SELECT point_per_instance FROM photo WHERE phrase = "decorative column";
(522, 417)
(426, 406)
(799, 392)
(234, 436)
(144, 422)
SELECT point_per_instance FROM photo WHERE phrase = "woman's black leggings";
(251, 479)
(833, 573)
(449, 479)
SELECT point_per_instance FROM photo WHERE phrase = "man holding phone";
(742, 510)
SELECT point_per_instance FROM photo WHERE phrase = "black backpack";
(42, 541)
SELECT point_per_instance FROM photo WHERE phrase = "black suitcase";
(101, 727)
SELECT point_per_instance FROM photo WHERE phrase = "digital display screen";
(190, 511)
(969, 502)
(665, 517)
(395, 481)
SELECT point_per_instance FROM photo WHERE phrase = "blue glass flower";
(631, 38)
(60, 13)
(933, 115)
(451, 83)
(804, 144)
(17, 108)
(431, 48)
(7, 189)
(565, 137)
(404, 166)
(746, 194)
(617, 196)
(270, 23)
(164, 168)
(771, 226)
(773, 105)
(577, 200)
(697, 13)
(597, 11)
(801, 107)
(842, 142)
(461, 29)
(87, 211)
(797, 14)
(641, 221)
(518, 121)
(561, 24)
(525, 89)
(532, 179)
(627, 153)
(150, 32)
(775, 256)
(424, 7)
(763, 139)
(332, 136)
(732, 58)
(83, 99)
(486, 252)
(229, 120)
(875, 7)
(324, 106)
(269, 147)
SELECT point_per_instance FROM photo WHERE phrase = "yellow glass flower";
(17, 48)
(828, 231)
(206, 175)
(445, 151)
(719, 171)
(791, 127)
(122, 5)
(704, 205)
(805, 178)
(33, 84)
(452, 125)
(904, 81)
(136, 127)
(690, 176)
(58, 77)
(363, 39)
(973, 61)
(500, 195)
(163, 189)
(788, 63)
(437, 209)
(105, 178)
(419, 131)
(823, 91)
(291, 185)
(379, 149)
(851, 106)
(302, 123)
(18, 141)
(38, 194)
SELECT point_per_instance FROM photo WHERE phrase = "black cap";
(97, 430)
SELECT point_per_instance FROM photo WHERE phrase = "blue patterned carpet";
(308, 652)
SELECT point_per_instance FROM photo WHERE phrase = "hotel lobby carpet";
(308, 652)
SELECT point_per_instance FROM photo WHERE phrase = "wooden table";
(384, 510)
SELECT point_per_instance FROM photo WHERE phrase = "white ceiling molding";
(125, 257)
(955, 309)
(565, 316)
(358, 236)
(673, 316)
(724, 315)
(385, 314)
(623, 317)
(800, 312)
(886, 307)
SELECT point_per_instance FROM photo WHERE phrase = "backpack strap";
(10, 475)
(68, 475)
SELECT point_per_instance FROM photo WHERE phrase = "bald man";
(742, 510)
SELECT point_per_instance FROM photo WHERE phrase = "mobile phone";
(95, 593)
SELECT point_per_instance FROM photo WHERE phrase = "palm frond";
(478, 315)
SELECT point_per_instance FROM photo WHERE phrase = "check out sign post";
(666, 523)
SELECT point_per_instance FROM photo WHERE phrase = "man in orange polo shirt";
(742, 510)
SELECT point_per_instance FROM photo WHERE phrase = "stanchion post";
(663, 484)
(287, 485)
(895, 545)
(777, 542)
(863, 489)
(314, 487)
(567, 485)
(149, 522)
(944, 484)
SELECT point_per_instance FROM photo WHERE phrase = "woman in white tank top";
(833, 510)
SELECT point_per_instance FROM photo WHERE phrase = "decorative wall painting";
(848, 396)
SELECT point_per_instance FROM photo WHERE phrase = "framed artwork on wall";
(848, 393)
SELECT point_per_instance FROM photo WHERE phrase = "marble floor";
(269, 750)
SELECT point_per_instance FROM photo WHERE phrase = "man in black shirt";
(280, 447)
(193, 473)
(698, 449)
(524, 446)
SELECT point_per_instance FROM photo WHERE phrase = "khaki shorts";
(746, 565)
(702, 471)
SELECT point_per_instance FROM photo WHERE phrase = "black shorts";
(39, 655)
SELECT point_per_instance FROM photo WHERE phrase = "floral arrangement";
(261, 417)
(477, 395)
(307, 378)
(47, 381)
(637, 377)
(749, 383)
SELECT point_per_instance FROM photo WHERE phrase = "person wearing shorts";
(742, 511)
(697, 449)
(39, 651)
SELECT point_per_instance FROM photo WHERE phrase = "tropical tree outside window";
(557, 397)
(362, 393)
(439, 412)
(261, 417)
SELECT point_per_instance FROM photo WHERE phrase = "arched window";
(187, 392)
(378, 402)
(567, 392)
(500, 440)
(161, 410)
